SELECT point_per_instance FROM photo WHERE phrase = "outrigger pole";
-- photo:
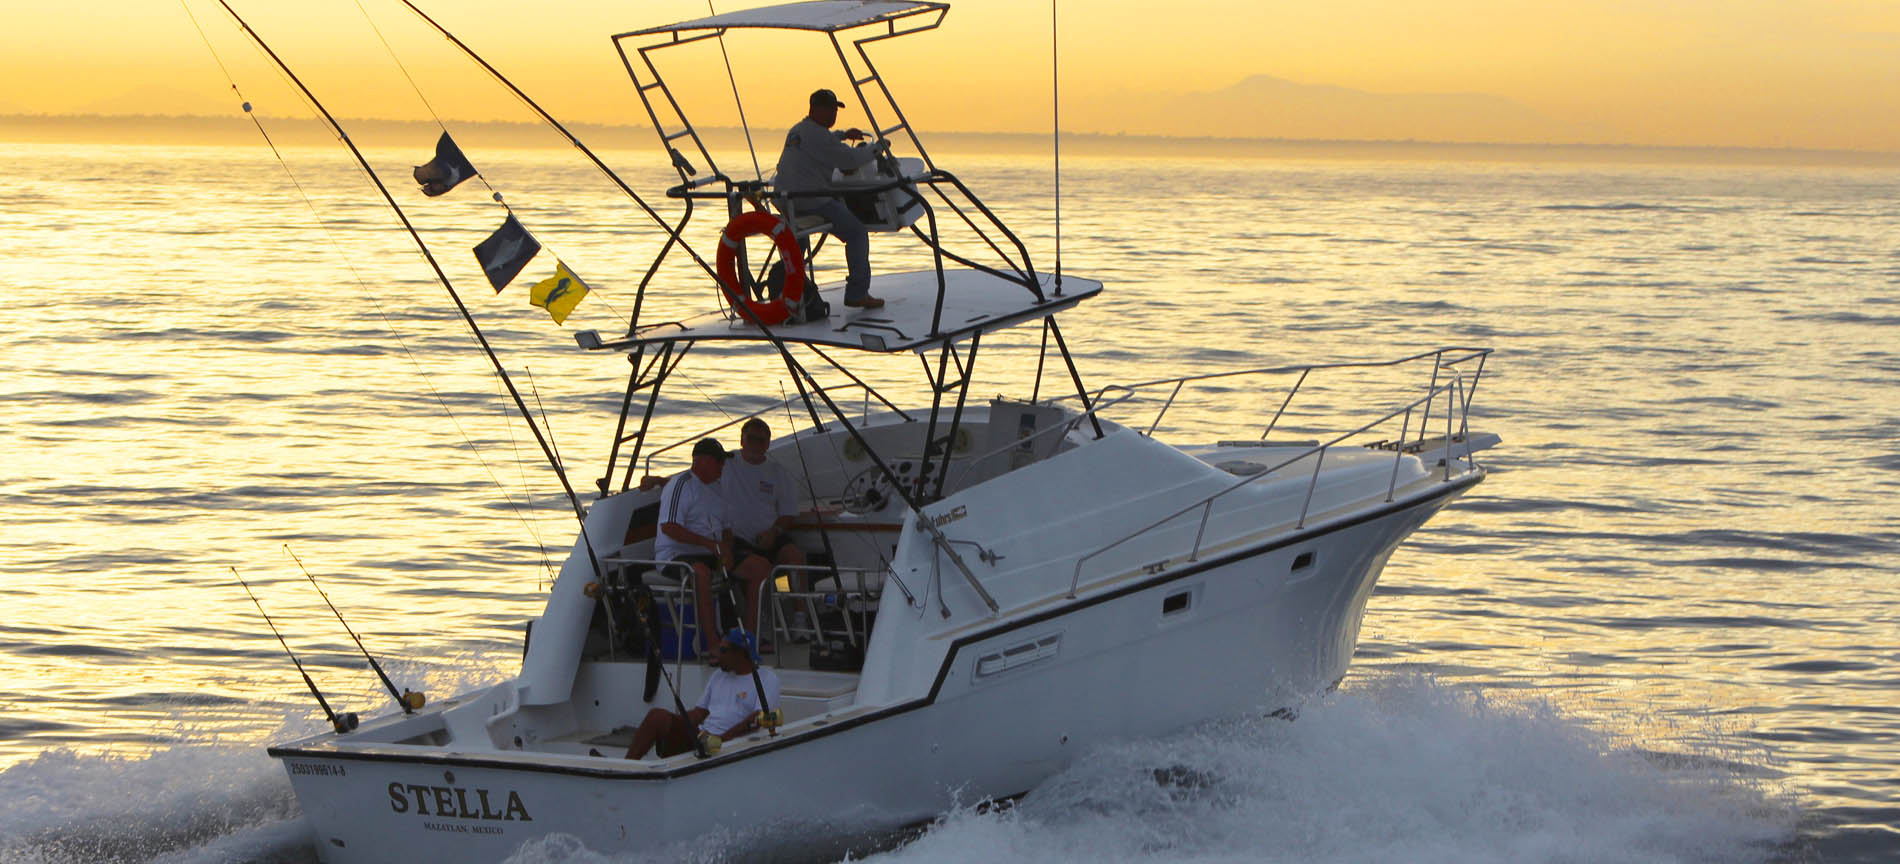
(672, 233)
(342, 724)
(580, 512)
(410, 700)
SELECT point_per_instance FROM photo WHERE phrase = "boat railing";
(1017, 268)
(675, 129)
(852, 600)
(776, 406)
(1457, 393)
(1101, 401)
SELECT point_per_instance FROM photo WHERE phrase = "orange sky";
(1801, 73)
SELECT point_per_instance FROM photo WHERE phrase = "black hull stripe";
(943, 671)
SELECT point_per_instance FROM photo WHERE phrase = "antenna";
(1055, 111)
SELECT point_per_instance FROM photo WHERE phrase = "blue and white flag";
(505, 252)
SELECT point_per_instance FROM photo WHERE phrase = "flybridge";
(982, 277)
(997, 285)
(827, 16)
(972, 303)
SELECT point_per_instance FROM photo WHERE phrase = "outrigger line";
(368, 294)
(580, 511)
(824, 535)
(409, 699)
(673, 237)
(672, 234)
(342, 724)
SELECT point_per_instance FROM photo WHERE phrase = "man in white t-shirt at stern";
(695, 527)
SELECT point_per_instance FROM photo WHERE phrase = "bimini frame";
(669, 342)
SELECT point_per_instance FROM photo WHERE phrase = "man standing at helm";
(812, 150)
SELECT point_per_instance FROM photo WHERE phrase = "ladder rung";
(865, 80)
(680, 134)
(645, 87)
(886, 133)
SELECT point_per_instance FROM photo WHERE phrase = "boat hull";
(1253, 630)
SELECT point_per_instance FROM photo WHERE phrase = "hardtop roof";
(825, 16)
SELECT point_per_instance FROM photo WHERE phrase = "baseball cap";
(740, 639)
(709, 447)
(825, 99)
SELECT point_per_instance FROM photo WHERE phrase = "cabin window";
(1017, 656)
(1302, 561)
(1174, 603)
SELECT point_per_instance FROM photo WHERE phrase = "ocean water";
(1664, 629)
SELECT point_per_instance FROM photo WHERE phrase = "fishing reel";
(344, 723)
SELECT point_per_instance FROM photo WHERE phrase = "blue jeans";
(857, 245)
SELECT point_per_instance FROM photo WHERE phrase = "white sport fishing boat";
(1009, 584)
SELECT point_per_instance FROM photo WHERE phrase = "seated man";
(695, 528)
(730, 707)
(811, 151)
(760, 498)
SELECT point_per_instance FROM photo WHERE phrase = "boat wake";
(202, 799)
(1387, 769)
(1391, 768)
(184, 804)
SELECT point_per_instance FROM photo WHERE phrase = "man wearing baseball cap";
(812, 151)
(696, 528)
(740, 697)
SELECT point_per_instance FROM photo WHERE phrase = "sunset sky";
(1749, 73)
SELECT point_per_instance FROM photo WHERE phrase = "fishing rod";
(644, 611)
(521, 405)
(650, 636)
(766, 715)
(409, 699)
(343, 724)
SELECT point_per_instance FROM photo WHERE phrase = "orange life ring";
(778, 309)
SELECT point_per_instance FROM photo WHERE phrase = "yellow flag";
(560, 293)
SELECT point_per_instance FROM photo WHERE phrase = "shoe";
(865, 302)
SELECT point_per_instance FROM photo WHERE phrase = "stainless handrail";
(1465, 354)
(1206, 505)
(776, 406)
(1066, 426)
(780, 628)
(687, 594)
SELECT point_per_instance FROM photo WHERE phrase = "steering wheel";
(869, 491)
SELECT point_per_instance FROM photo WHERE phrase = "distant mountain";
(159, 99)
(1263, 106)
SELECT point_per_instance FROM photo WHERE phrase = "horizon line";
(1135, 141)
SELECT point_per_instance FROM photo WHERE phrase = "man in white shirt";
(696, 528)
(811, 151)
(760, 498)
(730, 706)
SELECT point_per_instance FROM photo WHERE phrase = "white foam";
(1388, 769)
(1394, 770)
(201, 799)
(185, 801)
